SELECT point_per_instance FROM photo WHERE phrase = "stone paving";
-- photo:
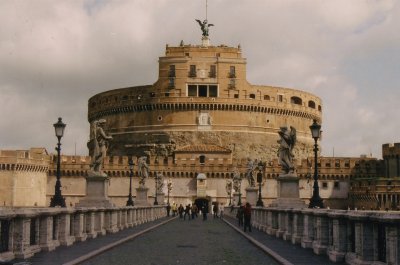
(176, 241)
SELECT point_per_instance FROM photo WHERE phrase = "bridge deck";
(181, 242)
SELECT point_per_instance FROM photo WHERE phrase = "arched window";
(202, 159)
(311, 104)
(252, 96)
(296, 100)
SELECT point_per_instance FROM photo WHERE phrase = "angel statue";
(160, 183)
(143, 169)
(287, 142)
(100, 140)
(251, 166)
(204, 26)
(228, 187)
(237, 180)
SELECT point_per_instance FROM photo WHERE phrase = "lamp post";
(259, 180)
(228, 188)
(58, 199)
(155, 197)
(240, 192)
(316, 201)
(130, 201)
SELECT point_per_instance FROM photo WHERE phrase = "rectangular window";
(280, 98)
(213, 71)
(213, 91)
(192, 71)
(171, 83)
(236, 96)
(232, 72)
(202, 91)
(192, 91)
(336, 185)
(324, 185)
(171, 71)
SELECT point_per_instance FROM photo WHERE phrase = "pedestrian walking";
(174, 209)
(180, 210)
(204, 211)
(239, 215)
(247, 217)
(215, 210)
(221, 210)
(187, 212)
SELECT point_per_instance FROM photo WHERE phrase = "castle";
(200, 121)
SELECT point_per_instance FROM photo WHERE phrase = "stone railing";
(24, 232)
(355, 237)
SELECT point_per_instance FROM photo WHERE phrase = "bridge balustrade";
(24, 232)
(355, 237)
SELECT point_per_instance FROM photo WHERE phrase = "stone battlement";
(392, 149)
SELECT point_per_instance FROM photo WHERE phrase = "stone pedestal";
(141, 197)
(160, 198)
(288, 192)
(205, 41)
(251, 195)
(236, 198)
(96, 191)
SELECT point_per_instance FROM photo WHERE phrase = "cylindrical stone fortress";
(202, 97)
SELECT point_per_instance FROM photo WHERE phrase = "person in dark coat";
(239, 215)
(247, 217)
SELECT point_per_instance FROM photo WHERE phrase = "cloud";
(55, 55)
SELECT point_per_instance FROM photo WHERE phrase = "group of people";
(192, 211)
(244, 216)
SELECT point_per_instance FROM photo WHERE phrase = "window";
(296, 100)
(311, 104)
(213, 91)
(202, 90)
(236, 96)
(232, 72)
(171, 83)
(192, 72)
(252, 96)
(324, 185)
(336, 185)
(171, 72)
(213, 71)
(280, 98)
(192, 91)
(266, 97)
(202, 159)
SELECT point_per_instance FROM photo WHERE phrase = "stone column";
(90, 224)
(281, 224)
(46, 233)
(337, 249)
(22, 248)
(64, 234)
(308, 232)
(274, 222)
(298, 226)
(321, 229)
(289, 225)
(79, 225)
(99, 221)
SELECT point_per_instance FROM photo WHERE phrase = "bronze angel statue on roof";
(286, 142)
(204, 26)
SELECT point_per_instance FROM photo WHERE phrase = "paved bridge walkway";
(174, 241)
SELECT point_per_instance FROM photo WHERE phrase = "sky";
(55, 55)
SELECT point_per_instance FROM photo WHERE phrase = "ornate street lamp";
(315, 201)
(155, 180)
(58, 199)
(259, 180)
(130, 201)
(228, 188)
